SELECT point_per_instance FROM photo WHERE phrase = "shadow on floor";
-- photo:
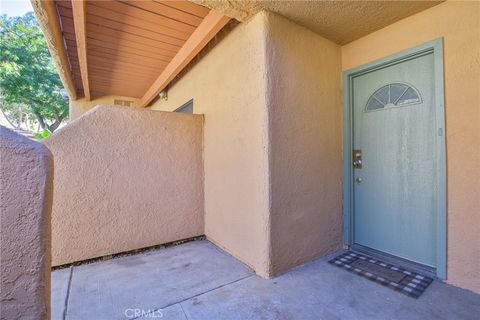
(196, 280)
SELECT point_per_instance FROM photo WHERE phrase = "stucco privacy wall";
(26, 190)
(125, 179)
(80, 106)
(304, 107)
(458, 23)
(228, 87)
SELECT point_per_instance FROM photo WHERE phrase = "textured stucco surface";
(283, 76)
(304, 107)
(26, 177)
(459, 24)
(125, 179)
(272, 142)
(228, 86)
(80, 106)
(331, 19)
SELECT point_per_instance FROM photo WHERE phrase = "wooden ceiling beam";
(213, 22)
(79, 9)
(46, 13)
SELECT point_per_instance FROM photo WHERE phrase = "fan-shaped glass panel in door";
(393, 95)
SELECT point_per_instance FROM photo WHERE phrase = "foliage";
(42, 135)
(28, 79)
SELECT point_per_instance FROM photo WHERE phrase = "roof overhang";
(340, 21)
(126, 48)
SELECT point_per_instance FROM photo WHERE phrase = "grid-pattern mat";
(407, 282)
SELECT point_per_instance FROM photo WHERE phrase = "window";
(186, 108)
(393, 95)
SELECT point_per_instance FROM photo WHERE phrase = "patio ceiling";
(339, 21)
(128, 48)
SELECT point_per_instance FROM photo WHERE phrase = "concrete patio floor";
(196, 280)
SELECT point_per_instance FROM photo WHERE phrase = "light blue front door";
(394, 138)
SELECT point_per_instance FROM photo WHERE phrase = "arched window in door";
(395, 94)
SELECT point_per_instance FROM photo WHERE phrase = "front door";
(395, 160)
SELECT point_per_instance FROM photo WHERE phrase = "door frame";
(435, 47)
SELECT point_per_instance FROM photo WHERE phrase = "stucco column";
(26, 190)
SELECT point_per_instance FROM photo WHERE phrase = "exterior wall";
(228, 87)
(458, 23)
(304, 105)
(272, 95)
(26, 177)
(80, 106)
(125, 179)
(255, 181)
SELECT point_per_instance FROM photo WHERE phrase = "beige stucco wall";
(458, 23)
(26, 177)
(125, 179)
(228, 86)
(272, 142)
(304, 105)
(270, 92)
(80, 106)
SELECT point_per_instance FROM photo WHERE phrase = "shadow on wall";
(26, 190)
(125, 179)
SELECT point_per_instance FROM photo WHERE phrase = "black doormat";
(407, 282)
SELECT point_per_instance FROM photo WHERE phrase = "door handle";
(357, 159)
(359, 180)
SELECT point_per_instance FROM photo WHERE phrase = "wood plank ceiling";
(128, 43)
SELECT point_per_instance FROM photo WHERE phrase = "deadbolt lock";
(357, 159)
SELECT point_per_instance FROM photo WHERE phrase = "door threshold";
(401, 262)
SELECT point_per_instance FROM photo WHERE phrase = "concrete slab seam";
(65, 306)
(197, 295)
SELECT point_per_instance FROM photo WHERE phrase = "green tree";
(28, 79)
